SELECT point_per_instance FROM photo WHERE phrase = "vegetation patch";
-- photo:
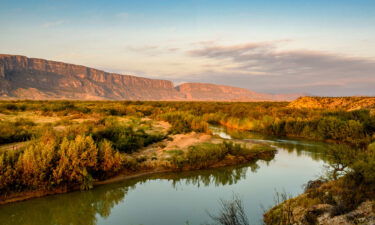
(204, 155)
(349, 183)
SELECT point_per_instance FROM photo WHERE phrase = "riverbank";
(345, 196)
(322, 203)
(177, 153)
(233, 131)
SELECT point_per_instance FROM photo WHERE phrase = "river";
(179, 198)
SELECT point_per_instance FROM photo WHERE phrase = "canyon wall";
(30, 78)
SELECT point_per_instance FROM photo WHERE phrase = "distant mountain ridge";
(39, 79)
(210, 92)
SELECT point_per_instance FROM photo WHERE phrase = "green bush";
(205, 154)
(55, 161)
(184, 122)
(20, 130)
(126, 138)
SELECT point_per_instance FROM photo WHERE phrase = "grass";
(175, 152)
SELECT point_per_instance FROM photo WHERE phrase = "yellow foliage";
(76, 156)
(111, 160)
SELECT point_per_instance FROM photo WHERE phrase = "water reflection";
(84, 207)
(302, 148)
(216, 177)
(193, 192)
(66, 209)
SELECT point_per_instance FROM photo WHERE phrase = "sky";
(316, 47)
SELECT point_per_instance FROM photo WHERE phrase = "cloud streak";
(288, 71)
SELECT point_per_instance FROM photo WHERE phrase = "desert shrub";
(199, 156)
(356, 164)
(20, 130)
(126, 138)
(353, 132)
(129, 162)
(77, 158)
(54, 160)
(10, 106)
(184, 122)
(34, 165)
(109, 160)
(8, 175)
(202, 155)
(205, 154)
(354, 181)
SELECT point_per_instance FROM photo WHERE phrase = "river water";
(179, 198)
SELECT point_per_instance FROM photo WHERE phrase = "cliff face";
(30, 78)
(23, 77)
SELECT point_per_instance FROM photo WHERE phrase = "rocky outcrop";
(325, 203)
(363, 214)
(344, 103)
(30, 78)
(321, 214)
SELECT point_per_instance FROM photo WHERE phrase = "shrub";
(205, 154)
(109, 160)
(184, 122)
(20, 130)
(126, 138)
(35, 164)
(53, 160)
(77, 158)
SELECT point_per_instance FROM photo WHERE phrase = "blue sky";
(319, 47)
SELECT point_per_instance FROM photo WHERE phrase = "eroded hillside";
(345, 103)
(31, 78)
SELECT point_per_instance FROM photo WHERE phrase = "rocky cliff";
(23, 77)
(30, 78)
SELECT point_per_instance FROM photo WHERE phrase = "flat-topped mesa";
(38, 78)
(213, 92)
(30, 78)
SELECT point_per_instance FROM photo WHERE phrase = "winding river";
(179, 198)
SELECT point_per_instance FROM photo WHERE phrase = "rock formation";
(30, 78)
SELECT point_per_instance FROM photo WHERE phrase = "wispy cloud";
(145, 48)
(284, 70)
(53, 23)
(152, 50)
